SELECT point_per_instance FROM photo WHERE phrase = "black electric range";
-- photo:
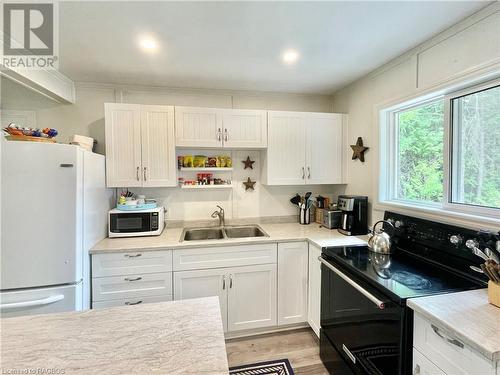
(366, 327)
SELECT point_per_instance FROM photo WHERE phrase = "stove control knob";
(456, 239)
(399, 224)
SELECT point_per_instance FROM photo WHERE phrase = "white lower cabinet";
(292, 282)
(252, 297)
(422, 366)
(445, 352)
(314, 303)
(203, 283)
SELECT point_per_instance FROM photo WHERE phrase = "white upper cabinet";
(198, 127)
(140, 148)
(158, 147)
(305, 148)
(324, 148)
(244, 128)
(216, 128)
(123, 145)
(284, 163)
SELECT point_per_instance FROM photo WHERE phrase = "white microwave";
(136, 223)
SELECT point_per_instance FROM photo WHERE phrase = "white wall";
(467, 52)
(86, 117)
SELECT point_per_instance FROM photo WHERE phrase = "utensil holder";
(494, 293)
(305, 216)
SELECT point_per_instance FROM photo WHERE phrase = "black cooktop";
(400, 275)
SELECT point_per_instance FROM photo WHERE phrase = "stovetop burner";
(414, 282)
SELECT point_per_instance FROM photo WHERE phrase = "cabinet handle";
(145, 173)
(133, 303)
(308, 172)
(224, 282)
(230, 281)
(226, 135)
(137, 173)
(416, 371)
(219, 134)
(132, 256)
(450, 340)
(303, 173)
(134, 279)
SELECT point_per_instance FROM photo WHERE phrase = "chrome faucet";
(220, 215)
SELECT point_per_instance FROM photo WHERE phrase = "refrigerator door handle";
(36, 302)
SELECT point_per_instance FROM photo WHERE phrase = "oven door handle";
(380, 304)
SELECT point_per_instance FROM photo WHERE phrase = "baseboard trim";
(264, 331)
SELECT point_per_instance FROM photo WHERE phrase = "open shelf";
(228, 186)
(207, 169)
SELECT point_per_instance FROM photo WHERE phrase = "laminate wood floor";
(300, 346)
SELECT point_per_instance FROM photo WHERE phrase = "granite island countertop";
(467, 315)
(282, 232)
(179, 337)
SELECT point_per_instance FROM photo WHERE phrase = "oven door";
(130, 222)
(360, 324)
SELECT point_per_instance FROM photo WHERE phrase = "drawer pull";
(450, 340)
(132, 256)
(417, 370)
(133, 303)
(134, 279)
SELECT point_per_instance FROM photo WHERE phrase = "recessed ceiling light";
(290, 56)
(148, 44)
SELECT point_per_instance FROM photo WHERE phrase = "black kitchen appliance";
(354, 220)
(366, 327)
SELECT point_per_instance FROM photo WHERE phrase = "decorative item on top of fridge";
(128, 201)
(19, 133)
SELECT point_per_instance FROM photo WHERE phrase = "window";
(444, 152)
(420, 132)
(476, 148)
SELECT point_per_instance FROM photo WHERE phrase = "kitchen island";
(180, 337)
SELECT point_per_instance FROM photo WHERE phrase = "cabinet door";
(123, 145)
(314, 303)
(158, 146)
(203, 283)
(252, 297)
(422, 366)
(292, 282)
(286, 144)
(324, 148)
(198, 127)
(245, 128)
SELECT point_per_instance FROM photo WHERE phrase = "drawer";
(422, 366)
(446, 351)
(228, 256)
(129, 263)
(131, 286)
(131, 301)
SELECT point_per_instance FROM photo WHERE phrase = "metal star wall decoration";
(249, 184)
(248, 163)
(359, 150)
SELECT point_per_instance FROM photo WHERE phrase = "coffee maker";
(354, 220)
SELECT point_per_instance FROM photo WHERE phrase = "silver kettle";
(380, 241)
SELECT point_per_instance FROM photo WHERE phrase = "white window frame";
(388, 143)
(448, 158)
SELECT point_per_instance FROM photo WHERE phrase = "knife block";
(494, 293)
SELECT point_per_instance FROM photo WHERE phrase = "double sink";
(220, 233)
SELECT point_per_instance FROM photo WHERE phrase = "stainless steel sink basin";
(220, 233)
(244, 231)
(202, 234)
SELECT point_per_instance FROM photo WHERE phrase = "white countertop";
(180, 337)
(170, 237)
(467, 315)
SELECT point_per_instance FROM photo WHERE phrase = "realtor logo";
(29, 36)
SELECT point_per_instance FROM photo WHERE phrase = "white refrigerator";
(54, 205)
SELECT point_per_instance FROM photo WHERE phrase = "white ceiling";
(238, 45)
